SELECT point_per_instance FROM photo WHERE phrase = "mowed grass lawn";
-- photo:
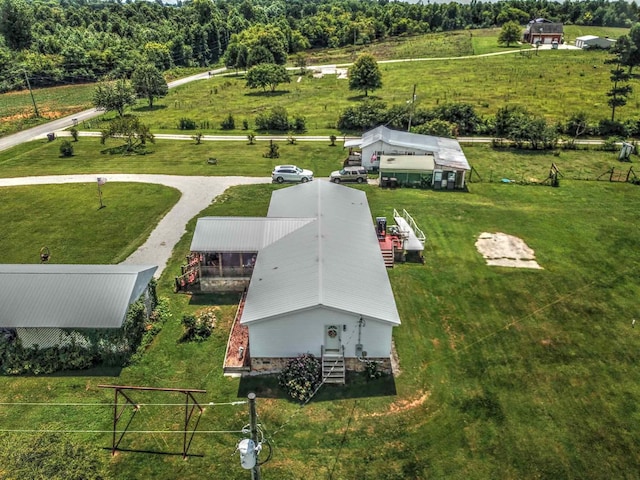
(504, 373)
(239, 158)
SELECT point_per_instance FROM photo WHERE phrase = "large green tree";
(114, 96)
(510, 33)
(267, 75)
(365, 75)
(134, 132)
(148, 82)
(16, 21)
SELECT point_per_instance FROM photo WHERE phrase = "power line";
(57, 404)
(119, 431)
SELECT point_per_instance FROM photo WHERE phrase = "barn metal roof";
(70, 296)
(241, 234)
(334, 261)
(446, 151)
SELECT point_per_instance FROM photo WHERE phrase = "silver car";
(349, 174)
(291, 173)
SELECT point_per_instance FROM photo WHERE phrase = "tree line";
(54, 42)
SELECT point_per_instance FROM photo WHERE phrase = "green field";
(554, 84)
(504, 373)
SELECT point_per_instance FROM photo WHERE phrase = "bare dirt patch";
(502, 250)
(403, 405)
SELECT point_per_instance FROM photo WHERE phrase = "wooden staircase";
(387, 256)
(333, 370)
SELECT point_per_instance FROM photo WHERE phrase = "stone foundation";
(271, 365)
(213, 285)
(355, 365)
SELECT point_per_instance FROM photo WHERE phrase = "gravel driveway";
(197, 194)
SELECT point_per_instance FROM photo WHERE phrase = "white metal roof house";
(320, 286)
(593, 41)
(52, 305)
(446, 160)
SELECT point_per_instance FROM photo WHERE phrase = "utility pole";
(413, 100)
(253, 421)
(35, 107)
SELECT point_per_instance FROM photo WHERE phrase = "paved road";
(61, 123)
(197, 194)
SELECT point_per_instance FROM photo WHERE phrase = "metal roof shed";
(69, 296)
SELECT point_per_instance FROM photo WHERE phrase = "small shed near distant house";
(49, 305)
(543, 31)
(435, 158)
(593, 42)
(407, 170)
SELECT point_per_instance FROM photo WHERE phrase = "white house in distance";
(443, 164)
(318, 284)
(593, 41)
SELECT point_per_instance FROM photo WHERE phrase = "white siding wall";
(380, 146)
(291, 335)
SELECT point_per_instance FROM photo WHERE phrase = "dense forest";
(55, 42)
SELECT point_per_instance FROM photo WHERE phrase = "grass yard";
(169, 157)
(238, 158)
(505, 373)
(67, 219)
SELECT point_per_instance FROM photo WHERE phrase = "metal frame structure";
(189, 407)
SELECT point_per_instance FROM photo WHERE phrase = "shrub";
(66, 149)
(300, 377)
(198, 327)
(277, 119)
(273, 151)
(74, 133)
(371, 370)
(228, 123)
(187, 124)
(299, 124)
(245, 124)
(362, 117)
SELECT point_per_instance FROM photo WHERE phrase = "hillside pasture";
(554, 84)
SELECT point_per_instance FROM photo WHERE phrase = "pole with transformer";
(253, 422)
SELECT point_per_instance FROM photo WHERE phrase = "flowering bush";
(199, 327)
(300, 377)
(371, 370)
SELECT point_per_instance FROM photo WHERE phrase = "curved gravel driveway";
(197, 194)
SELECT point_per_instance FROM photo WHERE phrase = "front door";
(332, 337)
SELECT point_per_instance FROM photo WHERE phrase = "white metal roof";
(447, 151)
(587, 37)
(334, 261)
(407, 163)
(241, 234)
(70, 296)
